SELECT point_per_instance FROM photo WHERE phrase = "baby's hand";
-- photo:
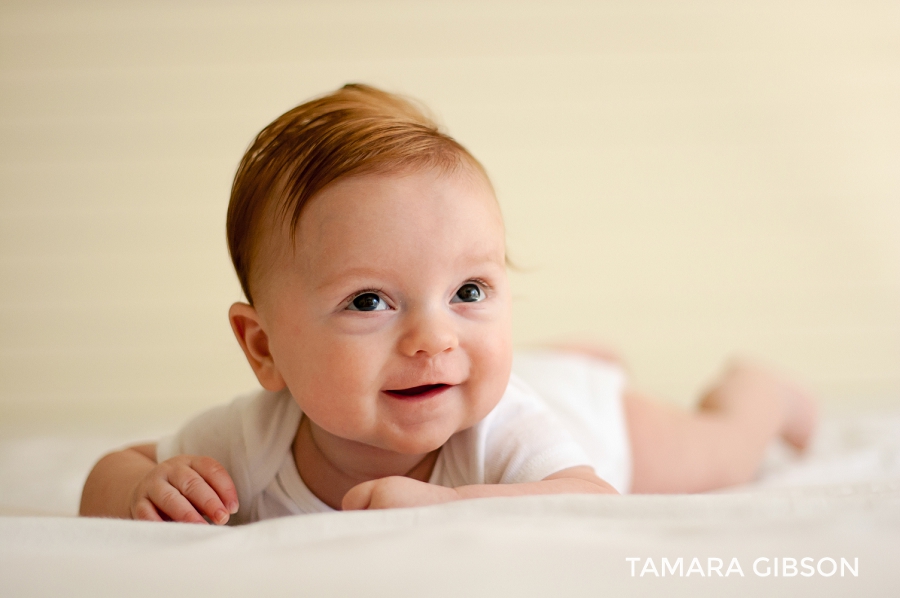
(396, 492)
(184, 488)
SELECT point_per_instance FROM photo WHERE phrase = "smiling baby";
(371, 250)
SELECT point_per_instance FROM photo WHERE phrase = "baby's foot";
(746, 387)
(800, 416)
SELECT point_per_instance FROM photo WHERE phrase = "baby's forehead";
(353, 199)
(377, 205)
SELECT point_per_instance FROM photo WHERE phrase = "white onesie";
(521, 439)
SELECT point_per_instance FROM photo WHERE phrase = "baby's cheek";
(349, 365)
(330, 386)
(496, 353)
(490, 376)
(337, 409)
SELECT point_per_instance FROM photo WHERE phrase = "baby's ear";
(254, 341)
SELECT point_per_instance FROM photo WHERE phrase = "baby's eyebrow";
(362, 273)
(484, 257)
(358, 272)
(481, 260)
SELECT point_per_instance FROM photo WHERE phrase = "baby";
(371, 251)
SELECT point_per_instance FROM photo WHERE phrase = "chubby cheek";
(330, 377)
(491, 358)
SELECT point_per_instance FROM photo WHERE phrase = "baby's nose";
(430, 332)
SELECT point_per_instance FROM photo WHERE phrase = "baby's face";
(390, 320)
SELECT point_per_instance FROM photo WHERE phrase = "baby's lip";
(424, 391)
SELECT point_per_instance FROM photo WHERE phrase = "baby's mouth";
(418, 392)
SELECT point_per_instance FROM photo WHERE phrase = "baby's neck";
(330, 466)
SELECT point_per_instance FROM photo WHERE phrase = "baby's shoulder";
(516, 417)
(252, 423)
(520, 440)
(264, 412)
(518, 400)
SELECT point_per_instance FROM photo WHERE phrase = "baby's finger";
(194, 488)
(169, 502)
(217, 477)
(145, 511)
(359, 497)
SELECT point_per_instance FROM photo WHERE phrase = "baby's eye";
(468, 293)
(367, 302)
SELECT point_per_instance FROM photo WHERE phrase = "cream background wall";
(681, 180)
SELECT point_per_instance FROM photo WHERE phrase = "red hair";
(355, 130)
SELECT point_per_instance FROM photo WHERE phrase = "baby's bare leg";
(723, 442)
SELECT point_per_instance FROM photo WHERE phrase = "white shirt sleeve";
(587, 397)
(524, 441)
(248, 437)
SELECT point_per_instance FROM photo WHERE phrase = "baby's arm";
(397, 491)
(130, 484)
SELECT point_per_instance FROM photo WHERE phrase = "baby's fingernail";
(233, 507)
(221, 516)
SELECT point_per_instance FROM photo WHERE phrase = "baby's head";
(371, 249)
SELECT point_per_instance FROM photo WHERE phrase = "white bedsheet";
(842, 500)
(535, 546)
